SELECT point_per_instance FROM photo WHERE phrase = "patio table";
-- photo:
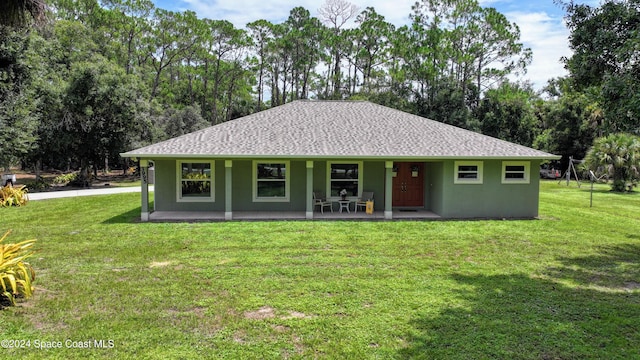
(344, 205)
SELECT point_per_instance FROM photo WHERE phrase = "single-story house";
(274, 162)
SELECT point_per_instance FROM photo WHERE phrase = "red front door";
(408, 185)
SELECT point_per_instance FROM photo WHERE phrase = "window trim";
(360, 176)
(287, 181)
(476, 181)
(527, 172)
(179, 198)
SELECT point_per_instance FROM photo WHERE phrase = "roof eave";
(335, 157)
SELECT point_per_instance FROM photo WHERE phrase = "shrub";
(64, 179)
(16, 275)
(13, 196)
(37, 185)
(196, 187)
(619, 155)
(73, 179)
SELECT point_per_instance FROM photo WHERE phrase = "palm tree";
(17, 13)
(619, 155)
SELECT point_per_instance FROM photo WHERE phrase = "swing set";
(571, 169)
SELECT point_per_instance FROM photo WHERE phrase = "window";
(515, 172)
(343, 175)
(271, 181)
(195, 181)
(467, 172)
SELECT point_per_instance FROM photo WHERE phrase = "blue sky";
(541, 22)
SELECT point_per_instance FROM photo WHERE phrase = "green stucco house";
(271, 163)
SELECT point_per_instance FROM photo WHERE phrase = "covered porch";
(235, 202)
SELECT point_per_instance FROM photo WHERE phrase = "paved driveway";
(84, 192)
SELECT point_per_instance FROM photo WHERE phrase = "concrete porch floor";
(287, 215)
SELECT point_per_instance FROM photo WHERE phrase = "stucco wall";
(243, 188)
(435, 182)
(491, 199)
(374, 179)
(165, 191)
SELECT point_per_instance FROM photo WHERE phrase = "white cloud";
(548, 39)
(242, 12)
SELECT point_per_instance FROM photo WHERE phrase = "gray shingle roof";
(332, 129)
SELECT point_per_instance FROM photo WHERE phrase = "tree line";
(83, 80)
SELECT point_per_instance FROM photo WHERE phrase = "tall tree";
(175, 122)
(280, 63)
(18, 120)
(223, 43)
(88, 12)
(498, 51)
(102, 109)
(606, 59)
(304, 35)
(373, 44)
(18, 13)
(169, 43)
(336, 13)
(49, 62)
(508, 113)
(568, 121)
(261, 32)
(479, 44)
(129, 20)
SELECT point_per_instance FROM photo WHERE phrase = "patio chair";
(362, 200)
(320, 200)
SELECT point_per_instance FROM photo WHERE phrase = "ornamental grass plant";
(13, 196)
(16, 275)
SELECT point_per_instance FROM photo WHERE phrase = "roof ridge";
(330, 100)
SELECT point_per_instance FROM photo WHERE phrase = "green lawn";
(566, 286)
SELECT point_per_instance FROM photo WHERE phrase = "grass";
(566, 286)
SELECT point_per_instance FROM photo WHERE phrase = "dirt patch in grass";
(297, 343)
(281, 328)
(296, 315)
(240, 337)
(30, 309)
(631, 285)
(199, 311)
(156, 264)
(265, 312)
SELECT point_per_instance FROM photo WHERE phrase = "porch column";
(388, 190)
(309, 190)
(228, 188)
(144, 175)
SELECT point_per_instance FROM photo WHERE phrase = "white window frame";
(527, 172)
(287, 181)
(477, 180)
(360, 172)
(179, 198)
